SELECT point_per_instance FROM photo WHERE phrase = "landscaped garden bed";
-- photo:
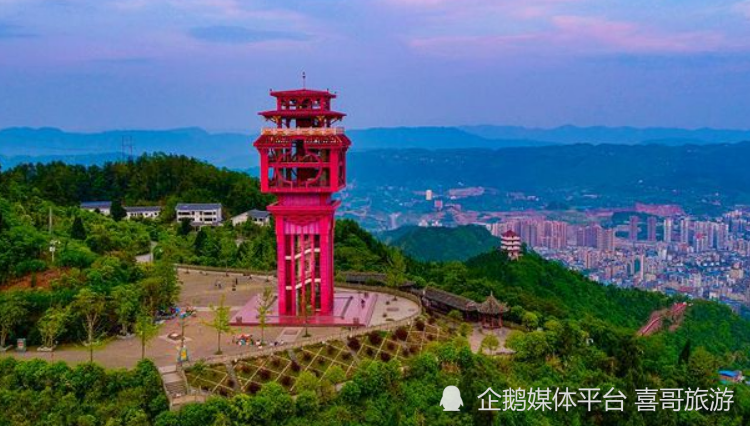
(285, 367)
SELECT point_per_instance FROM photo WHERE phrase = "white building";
(142, 212)
(103, 207)
(199, 214)
(258, 217)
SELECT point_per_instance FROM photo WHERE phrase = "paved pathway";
(198, 290)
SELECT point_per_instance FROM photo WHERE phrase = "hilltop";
(441, 244)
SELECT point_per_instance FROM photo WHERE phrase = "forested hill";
(554, 291)
(440, 243)
(567, 331)
(149, 179)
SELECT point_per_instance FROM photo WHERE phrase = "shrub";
(286, 381)
(275, 362)
(369, 351)
(264, 374)
(295, 367)
(419, 325)
(253, 388)
(346, 356)
(374, 337)
(306, 356)
(354, 344)
(385, 356)
(390, 346)
(401, 333)
(330, 350)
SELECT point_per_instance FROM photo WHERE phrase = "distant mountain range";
(612, 135)
(54, 144)
(621, 174)
(233, 150)
(432, 138)
(7, 162)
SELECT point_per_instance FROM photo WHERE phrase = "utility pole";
(52, 243)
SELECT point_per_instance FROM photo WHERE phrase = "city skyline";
(85, 65)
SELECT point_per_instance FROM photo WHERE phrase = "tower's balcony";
(302, 131)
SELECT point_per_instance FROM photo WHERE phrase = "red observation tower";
(303, 162)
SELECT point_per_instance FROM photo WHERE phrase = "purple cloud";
(579, 35)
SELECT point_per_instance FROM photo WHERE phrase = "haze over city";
(95, 65)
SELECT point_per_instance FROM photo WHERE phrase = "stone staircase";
(176, 388)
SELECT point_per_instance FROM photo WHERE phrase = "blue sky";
(103, 64)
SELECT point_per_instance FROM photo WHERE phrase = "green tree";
(52, 324)
(335, 374)
(185, 227)
(145, 329)
(227, 251)
(125, 299)
(117, 211)
(465, 329)
(396, 272)
(201, 240)
(161, 288)
(77, 231)
(685, 353)
(702, 368)
(307, 403)
(530, 320)
(306, 311)
(455, 315)
(13, 312)
(306, 382)
(490, 342)
(90, 306)
(265, 305)
(220, 322)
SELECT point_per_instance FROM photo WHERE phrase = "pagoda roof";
(509, 233)
(297, 93)
(296, 113)
(491, 306)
